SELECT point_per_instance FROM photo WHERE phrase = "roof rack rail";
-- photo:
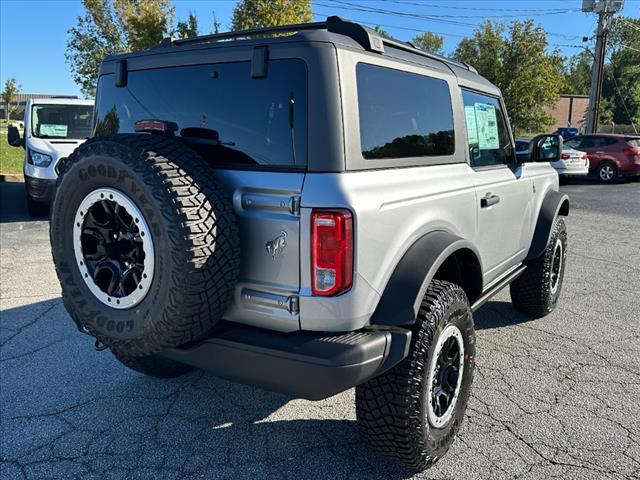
(366, 37)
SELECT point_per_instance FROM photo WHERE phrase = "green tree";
(621, 79)
(111, 26)
(429, 42)
(515, 59)
(268, 13)
(381, 31)
(578, 73)
(11, 89)
(187, 28)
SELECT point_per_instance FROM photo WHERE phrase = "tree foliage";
(578, 73)
(11, 89)
(429, 42)
(515, 59)
(111, 26)
(381, 31)
(187, 28)
(621, 85)
(268, 13)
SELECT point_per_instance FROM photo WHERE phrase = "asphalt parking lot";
(557, 397)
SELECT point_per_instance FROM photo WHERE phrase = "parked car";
(282, 220)
(610, 155)
(572, 163)
(53, 128)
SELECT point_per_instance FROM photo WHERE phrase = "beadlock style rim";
(556, 266)
(113, 248)
(446, 370)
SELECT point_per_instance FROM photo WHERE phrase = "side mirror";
(13, 137)
(545, 148)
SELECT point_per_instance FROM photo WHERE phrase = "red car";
(609, 155)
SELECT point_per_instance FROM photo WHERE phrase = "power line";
(434, 18)
(457, 7)
(624, 104)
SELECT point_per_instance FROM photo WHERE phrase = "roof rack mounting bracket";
(259, 61)
(121, 73)
(366, 37)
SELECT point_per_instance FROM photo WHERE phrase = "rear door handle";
(489, 200)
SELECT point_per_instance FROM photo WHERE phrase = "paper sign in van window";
(472, 129)
(487, 125)
(52, 130)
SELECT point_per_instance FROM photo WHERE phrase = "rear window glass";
(633, 142)
(403, 114)
(220, 111)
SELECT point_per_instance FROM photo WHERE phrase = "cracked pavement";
(557, 397)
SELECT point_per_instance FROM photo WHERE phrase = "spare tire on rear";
(144, 242)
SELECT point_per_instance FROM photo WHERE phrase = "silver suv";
(307, 208)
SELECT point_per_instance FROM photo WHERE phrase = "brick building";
(570, 111)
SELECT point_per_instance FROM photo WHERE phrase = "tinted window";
(403, 114)
(597, 142)
(572, 143)
(521, 145)
(487, 134)
(219, 109)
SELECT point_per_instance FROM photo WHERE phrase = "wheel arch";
(438, 255)
(554, 204)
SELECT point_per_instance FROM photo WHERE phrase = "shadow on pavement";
(498, 314)
(13, 203)
(63, 400)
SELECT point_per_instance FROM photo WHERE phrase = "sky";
(33, 33)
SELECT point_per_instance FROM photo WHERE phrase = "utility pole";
(605, 10)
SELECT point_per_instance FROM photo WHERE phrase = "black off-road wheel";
(144, 242)
(412, 413)
(537, 290)
(155, 366)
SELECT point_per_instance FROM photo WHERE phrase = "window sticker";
(472, 128)
(52, 130)
(487, 125)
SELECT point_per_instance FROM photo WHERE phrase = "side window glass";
(487, 133)
(402, 114)
(587, 142)
(573, 143)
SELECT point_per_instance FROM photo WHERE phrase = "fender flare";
(409, 281)
(554, 204)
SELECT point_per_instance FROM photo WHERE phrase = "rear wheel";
(607, 172)
(144, 242)
(412, 413)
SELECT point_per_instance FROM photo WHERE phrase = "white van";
(53, 128)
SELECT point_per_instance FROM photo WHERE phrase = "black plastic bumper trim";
(307, 365)
(39, 189)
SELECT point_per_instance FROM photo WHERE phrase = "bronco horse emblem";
(276, 246)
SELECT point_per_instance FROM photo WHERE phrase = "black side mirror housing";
(545, 148)
(13, 137)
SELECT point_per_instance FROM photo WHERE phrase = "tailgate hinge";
(294, 205)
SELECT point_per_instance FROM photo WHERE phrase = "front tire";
(412, 413)
(537, 290)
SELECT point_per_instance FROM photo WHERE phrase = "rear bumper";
(40, 189)
(300, 364)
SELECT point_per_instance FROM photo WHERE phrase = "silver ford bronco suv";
(307, 208)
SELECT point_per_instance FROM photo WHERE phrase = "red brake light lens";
(331, 252)
(565, 156)
(631, 151)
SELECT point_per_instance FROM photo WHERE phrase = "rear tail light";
(584, 156)
(565, 156)
(331, 252)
